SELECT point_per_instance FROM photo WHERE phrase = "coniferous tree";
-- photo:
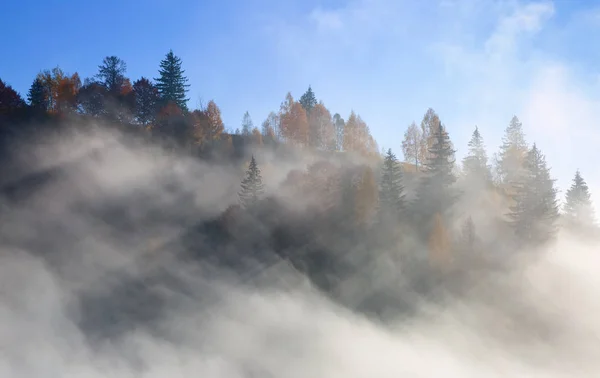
(111, 74)
(535, 210)
(435, 194)
(308, 100)
(10, 100)
(391, 190)
(38, 95)
(252, 187)
(509, 162)
(339, 125)
(247, 124)
(171, 83)
(475, 164)
(578, 209)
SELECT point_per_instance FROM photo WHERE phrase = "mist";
(99, 276)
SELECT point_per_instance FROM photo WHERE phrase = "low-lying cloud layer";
(115, 215)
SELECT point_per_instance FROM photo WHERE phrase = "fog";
(102, 209)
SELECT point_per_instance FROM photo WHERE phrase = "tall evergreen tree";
(171, 83)
(391, 190)
(247, 124)
(475, 164)
(509, 162)
(111, 73)
(308, 100)
(435, 194)
(38, 95)
(10, 100)
(578, 208)
(339, 125)
(535, 208)
(252, 187)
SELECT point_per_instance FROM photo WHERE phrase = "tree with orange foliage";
(365, 197)
(358, 138)
(439, 243)
(322, 130)
(256, 137)
(62, 89)
(207, 124)
(293, 122)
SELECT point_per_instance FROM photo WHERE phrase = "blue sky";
(476, 62)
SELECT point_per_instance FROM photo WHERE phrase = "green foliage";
(535, 210)
(38, 95)
(247, 124)
(171, 83)
(391, 190)
(252, 187)
(308, 100)
(111, 74)
(578, 208)
(475, 164)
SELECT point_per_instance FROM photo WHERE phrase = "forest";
(304, 198)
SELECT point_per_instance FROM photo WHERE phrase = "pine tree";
(475, 164)
(38, 95)
(391, 191)
(435, 194)
(247, 124)
(535, 211)
(252, 187)
(111, 73)
(578, 208)
(171, 84)
(509, 162)
(308, 100)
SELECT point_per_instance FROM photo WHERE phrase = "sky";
(476, 62)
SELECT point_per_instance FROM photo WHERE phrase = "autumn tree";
(308, 100)
(412, 144)
(38, 96)
(252, 187)
(207, 123)
(429, 126)
(365, 197)
(535, 210)
(171, 83)
(247, 124)
(475, 164)
(147, 100)
(513, 152)
(10, 100)
(257, 137)
(357, 137)
(578, 208)
(293, 122)
(270, 127)
(61, 88)
(440, 243)
(322, 133)
(391, 190)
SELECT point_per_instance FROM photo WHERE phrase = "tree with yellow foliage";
(440, 243)
(293, 122)
(366, 196)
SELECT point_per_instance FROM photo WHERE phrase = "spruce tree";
(535, 210)
(435, 194)
(391, 191)
(171, 84)
(252, 187)
(509, 162)
(578, 208)
(475, 164)
(308, 100)
(38, 95)
(146, 100)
